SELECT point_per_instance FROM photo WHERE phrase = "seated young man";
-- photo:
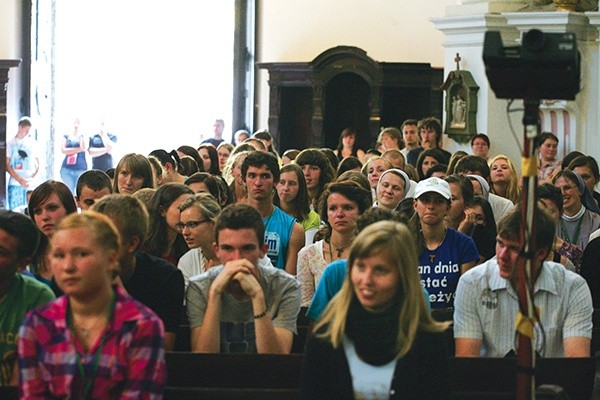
(283, 235)
(486, 302)
(241, 306)
(92, 185)
(19, 294)
(152, 281)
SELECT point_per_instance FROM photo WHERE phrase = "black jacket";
(422, 374)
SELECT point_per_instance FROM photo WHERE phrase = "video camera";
(546, 66)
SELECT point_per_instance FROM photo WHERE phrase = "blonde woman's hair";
(230, 164)
(206, 203)
(395, 241)
(513, 191)
(99, 226)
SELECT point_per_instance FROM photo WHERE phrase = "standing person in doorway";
(22, 163)
(74, 164)
(101, 148)
(217, 138)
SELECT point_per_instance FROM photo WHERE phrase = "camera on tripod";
(546, 66)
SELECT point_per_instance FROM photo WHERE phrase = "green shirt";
(25, 294)
(312, 221)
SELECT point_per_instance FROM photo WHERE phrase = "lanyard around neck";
(88, 381)
(566, 235)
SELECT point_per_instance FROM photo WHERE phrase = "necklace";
(432, 251)
(339, 250)
(88, 380)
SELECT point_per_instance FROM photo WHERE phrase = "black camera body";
(546, 66)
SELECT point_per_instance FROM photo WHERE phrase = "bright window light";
(158, 73)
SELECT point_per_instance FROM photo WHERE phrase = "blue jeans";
(70, 177)
(17, 196)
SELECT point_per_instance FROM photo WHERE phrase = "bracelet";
(262, 314)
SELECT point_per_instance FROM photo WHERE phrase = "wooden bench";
(262, 376)
(497, 375)
(9, 392)
(273, 371)
(595, 347)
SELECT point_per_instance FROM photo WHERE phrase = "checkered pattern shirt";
(131, 364)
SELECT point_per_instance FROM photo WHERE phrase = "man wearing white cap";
(446, 253)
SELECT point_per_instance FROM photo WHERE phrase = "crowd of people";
(102, 267)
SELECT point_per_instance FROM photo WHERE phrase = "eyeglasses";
(567, 188)
(190, 225)
(22, 153)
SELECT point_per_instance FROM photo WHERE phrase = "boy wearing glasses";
(22, 163)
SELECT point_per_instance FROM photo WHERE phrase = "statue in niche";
(459, 112)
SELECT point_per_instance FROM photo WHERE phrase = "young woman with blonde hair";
(377, 337)
(504, 179)
(197, 218)
(96, 341)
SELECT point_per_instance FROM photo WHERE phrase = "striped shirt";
(486, 308)
(131, 364)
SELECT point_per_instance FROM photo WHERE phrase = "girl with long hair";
(340, 206)
(373, 169)
(504, 179)
(133, 173)
(347, 146)
(198, 215)
(292, 196)
(378, 324)
(210, 158)
(165, 240)
(96, 341)
(171, 163)
(427, 159)
(224, 152)
(233, 176)
(48, 205)
(318, 172)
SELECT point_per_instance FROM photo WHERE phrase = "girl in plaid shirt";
(96, 342)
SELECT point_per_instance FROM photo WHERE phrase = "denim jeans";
(70, 177)
(17, 196)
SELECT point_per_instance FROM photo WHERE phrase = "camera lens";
(534, 40)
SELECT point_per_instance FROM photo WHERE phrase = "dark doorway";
(347, 103)
(295, 121)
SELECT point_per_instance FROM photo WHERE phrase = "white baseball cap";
(435, 185)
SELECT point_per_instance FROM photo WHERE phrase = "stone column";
(5, 65)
